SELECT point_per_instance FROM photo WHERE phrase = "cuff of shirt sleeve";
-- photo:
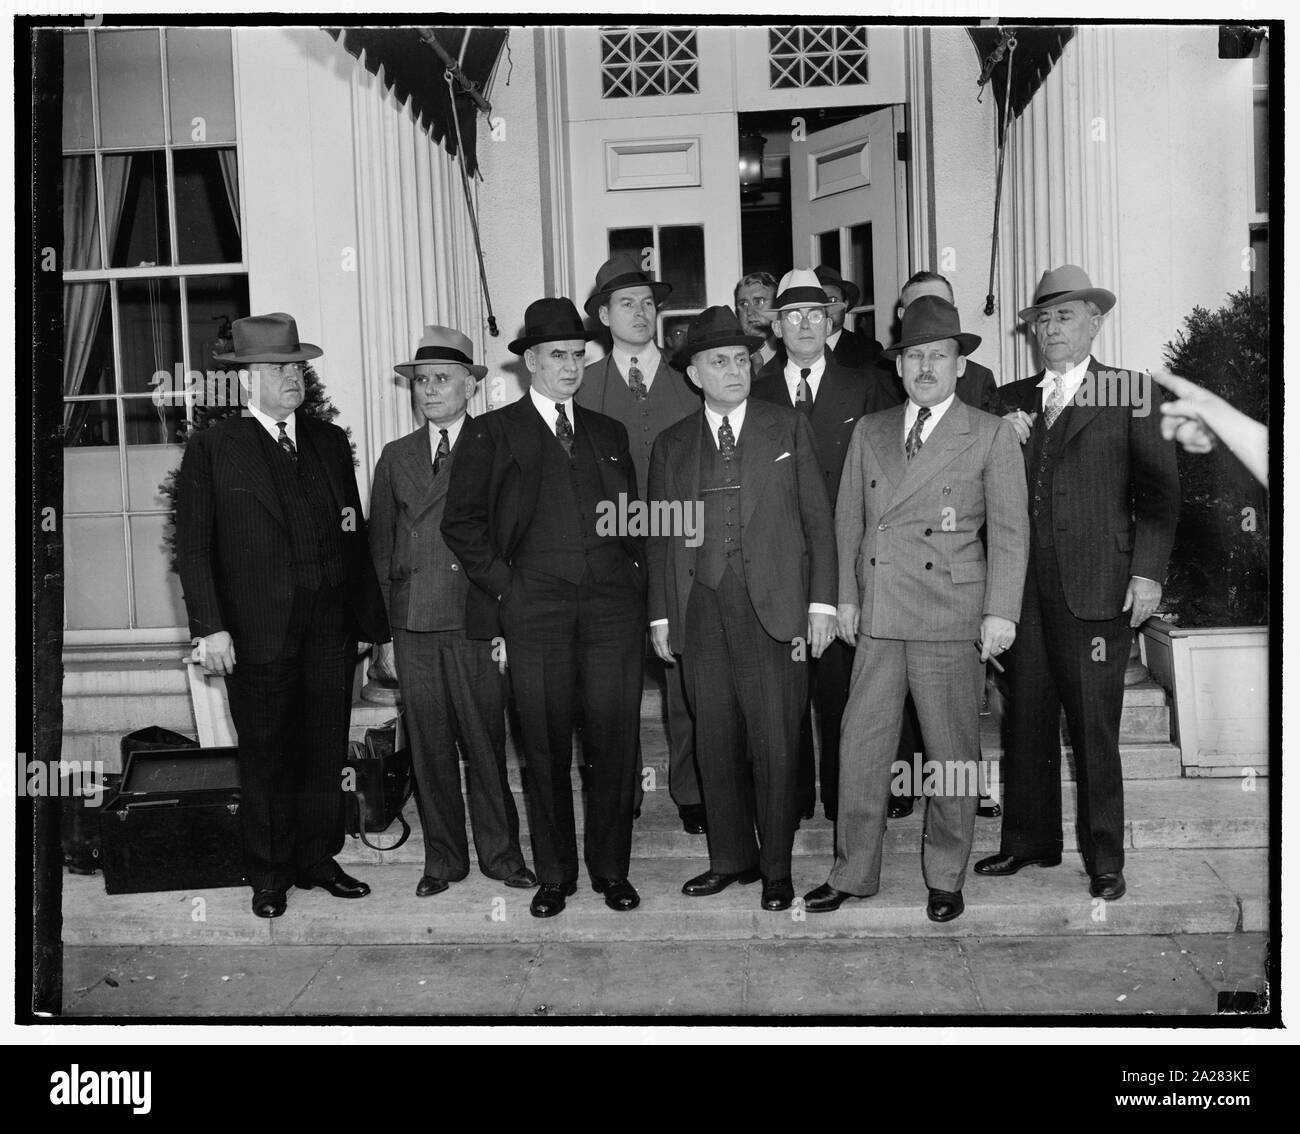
(821, 608)
(659, 622)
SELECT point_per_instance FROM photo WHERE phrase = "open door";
(846, 190)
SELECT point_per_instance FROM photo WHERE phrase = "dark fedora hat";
(620, 271)
(848, 289)
(1061, 285)
(713, 327)
(268, 338)
(549, 321)
(927, 320)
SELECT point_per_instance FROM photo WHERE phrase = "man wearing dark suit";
(744, 598)
(634, 385)
(848, 349)
(271, 550)
(452, 689)
(976, 387)
(917, 588)
(1103, 505)
(833, 399)
(526, 515)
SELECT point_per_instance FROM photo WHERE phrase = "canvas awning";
(1036, 50)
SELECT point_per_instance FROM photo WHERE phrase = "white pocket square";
(847, 420)
(782, 457)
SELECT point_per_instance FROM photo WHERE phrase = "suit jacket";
(1115, 496)
(976, 387)
(495, 491)
(909, 531)
(232, 544)
(855, 351)
(679, 397)
(786, 526)
(423, 583)
(842, 399)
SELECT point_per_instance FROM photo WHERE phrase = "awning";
(1037, 49)
(415, 69)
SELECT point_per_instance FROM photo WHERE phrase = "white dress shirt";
(546, 407)
(1071, 380)
(647, 361)
(735, 418)
(833, 340)
(816, 370)
(269, 424)
(936, 412)
(453, 432)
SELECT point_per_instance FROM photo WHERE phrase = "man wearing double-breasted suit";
(745, 597)
(917, 591)
(453, 689)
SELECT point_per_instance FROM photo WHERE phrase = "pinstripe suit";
(288, 691)
(911, 558)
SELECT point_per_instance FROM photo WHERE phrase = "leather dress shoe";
(619, 893)
(778, 893)
(338, 884)
(1000, 865)
(988, 809)
(521, 879)
(944, 906)
(429, 885)
(712, 882)
(1108, 886)
(549, 899)
(826, 898)
(693, 821)
(269, 903)
(900, 806)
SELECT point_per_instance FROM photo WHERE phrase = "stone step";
(119, 713)
(81, 679)
(1169, 891)
(1158, 814)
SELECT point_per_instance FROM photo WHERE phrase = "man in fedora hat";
(745, 601)
(1103, 506)
(452, 688)
(809, 378)
(271, 550)
(524, 517)
(917, 590)
(634, 384)
(848, 349)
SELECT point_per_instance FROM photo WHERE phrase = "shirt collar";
(735, 418)
(936, 413)
(647, 361)
(269, 424)
(1071, 380)
(792, 369)
(833, 340)
(453, 432)
(546, 407)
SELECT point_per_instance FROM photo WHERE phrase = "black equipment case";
(174, 822)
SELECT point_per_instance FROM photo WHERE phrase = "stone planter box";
(1218, 679)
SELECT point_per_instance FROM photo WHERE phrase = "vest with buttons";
(721, 491)
(315, 525)
(1045, 449)
(561, 539)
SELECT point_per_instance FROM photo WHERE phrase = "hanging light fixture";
(751, 162)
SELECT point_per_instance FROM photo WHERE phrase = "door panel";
(846, 193)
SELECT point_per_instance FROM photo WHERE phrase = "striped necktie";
(914, 441)
(803, 399)
(1055, 401)
(444, 451)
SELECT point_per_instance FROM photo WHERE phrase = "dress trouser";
(683, 775)
(452, 691)
(748, 692)
(571, 646)
(830, 693)
(946, 679)
(1060, 661)
(291, 714)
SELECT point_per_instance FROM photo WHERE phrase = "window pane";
(129, 66)
(80, 213)
(635, 241)
(862, 270)
(158, 599)
(153, 449)
(212, 304)
(78, 129)
(149, 323)
(135, 205)
(92, 472)
(207, 206)
(828, 250)
(94, 559)
(1261, 151)
(87, 340)
(200, 84)
(681, 263)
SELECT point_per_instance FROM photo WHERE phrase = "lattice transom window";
(806, 56)
(636, 61)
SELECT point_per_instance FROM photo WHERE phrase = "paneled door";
(848, 209)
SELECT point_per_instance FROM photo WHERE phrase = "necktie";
(914, 441)
(726, 440)
(803, 394)
(286, 442)
(636, 380)
(1055, 402)
(563, 430)
(444, 451)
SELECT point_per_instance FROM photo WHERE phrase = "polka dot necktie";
(636, 380)
(286, 442)
(563, 430)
